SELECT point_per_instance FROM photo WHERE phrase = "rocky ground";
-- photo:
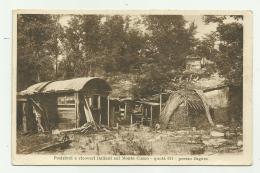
(138, 141)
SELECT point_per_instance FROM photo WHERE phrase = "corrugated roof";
(33, 89)
(76, 84)
(67, 85)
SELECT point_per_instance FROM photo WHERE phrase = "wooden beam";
(131, 122)
(99, 112)
(125, 109)
(24, 118)
(206, 106)
(37, 105)
(160, 103)
(151, 115)
(76, 95)
(108, 109)
(99, 102)
(151, 111)
(88, 113)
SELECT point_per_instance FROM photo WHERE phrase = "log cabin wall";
(49, 106)
(70, 110)
(66, 111)
(104, 110)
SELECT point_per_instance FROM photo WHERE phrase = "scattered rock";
(182, 132)
(157, 126)
(239, 143)
(217, 134)
(215, 142)
(219, 126)
(197, 150)
(55, 132)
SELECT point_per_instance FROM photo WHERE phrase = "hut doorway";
(104, 110)
(99, 109)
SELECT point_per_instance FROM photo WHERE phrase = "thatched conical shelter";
(185, 108)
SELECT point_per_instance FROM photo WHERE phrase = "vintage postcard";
(132, 87)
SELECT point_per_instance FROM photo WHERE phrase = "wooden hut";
(149, 113)
(121, 110)
(68, 103)
(127, 111)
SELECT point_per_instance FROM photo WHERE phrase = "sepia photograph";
(131, 88)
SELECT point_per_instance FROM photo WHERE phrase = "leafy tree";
(37, 48)
(206, 49)
(151, 82)
(168, 42)
(206, 46)
(171, 39)
(121, 45)
(80, 43)
(229, 38)
(103, 43)
(90, 28)
(113, 42)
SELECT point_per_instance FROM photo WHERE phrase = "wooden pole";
(187, 111)
(151, 115)
(24, 118)
(131, 119)
(151, 111)
(160, 103)
(99, 110)
(76, 95)
(125, 109)
(108, 109)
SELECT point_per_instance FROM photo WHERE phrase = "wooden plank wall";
(67, 117)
